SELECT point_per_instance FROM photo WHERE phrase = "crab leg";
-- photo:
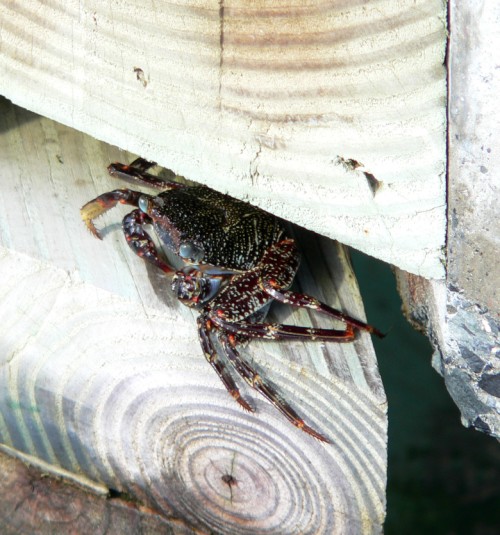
(142, 164)
(93, 209)
(278, 331)
(306, 301)
(204, 328)
(136, 172)
(256, 382)
(139, 240)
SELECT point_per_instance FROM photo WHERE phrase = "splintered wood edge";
(104, 376)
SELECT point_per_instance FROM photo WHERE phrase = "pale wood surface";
(330, 114)
(102, 374)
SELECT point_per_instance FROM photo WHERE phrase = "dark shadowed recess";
(442, 478)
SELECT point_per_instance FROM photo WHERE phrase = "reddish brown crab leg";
(140, 163)
(256, 382)
(139, 240)
(303, 300)
(277, 331)
(136, 172)
(217, 364)
(93, 209)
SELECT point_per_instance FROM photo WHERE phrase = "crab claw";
(91, 211)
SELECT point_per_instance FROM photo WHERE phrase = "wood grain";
(340, 103)
(102, 374)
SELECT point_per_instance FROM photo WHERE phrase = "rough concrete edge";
(470, 364)
(466, 342)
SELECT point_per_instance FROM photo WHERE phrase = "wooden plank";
(102, 374)
(340, 103)
(461, 314)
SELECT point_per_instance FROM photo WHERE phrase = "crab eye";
(143, 204)
(191, 251)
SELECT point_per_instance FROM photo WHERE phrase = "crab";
(236, 260)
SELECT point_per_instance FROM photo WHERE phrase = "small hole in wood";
(229, 480)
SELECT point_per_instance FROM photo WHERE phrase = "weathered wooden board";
(329, 114)
(102, 374)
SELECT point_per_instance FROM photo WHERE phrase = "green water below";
(442, 478)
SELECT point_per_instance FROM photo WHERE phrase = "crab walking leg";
(306, 301)
(136, 172)
(278, 331)
(256, 382)
(204, 328)
(139, 240)
(277, 269)
(96, 207)
(142, 164)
